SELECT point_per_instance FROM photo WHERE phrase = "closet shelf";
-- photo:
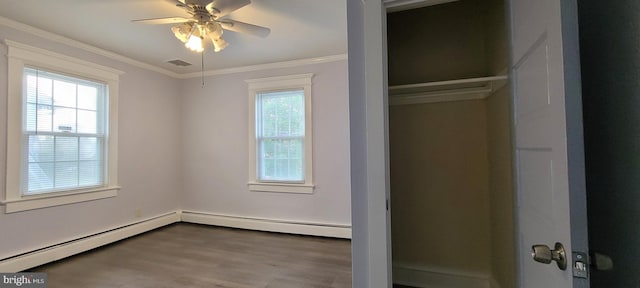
(446, 91)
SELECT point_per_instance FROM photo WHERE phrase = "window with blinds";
(280, 145)
(280, 124)
(64, 132)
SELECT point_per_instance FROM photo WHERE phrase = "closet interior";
(450, 145)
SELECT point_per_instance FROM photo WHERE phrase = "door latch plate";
(580, 265)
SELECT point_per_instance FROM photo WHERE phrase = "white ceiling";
(300, 29)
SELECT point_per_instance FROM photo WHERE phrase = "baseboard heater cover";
(269, 225)
(59, 251)
(72, 247)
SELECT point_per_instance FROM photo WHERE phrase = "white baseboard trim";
(427, 277)
(69, 248)
(270, 225)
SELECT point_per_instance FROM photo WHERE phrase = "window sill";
(281, 187)
(43, 201)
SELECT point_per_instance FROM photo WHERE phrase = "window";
(62, 130)
(280, 134)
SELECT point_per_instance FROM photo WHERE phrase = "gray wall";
(610, 59)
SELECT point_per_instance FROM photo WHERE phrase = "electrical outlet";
(138, 212)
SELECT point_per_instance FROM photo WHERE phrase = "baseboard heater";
(44, 255)
(268, 224)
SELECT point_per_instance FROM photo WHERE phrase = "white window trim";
(257, 86)
(21, 55)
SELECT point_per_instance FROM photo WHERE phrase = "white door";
(548, 131)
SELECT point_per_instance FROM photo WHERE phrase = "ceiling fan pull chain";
(202, 65)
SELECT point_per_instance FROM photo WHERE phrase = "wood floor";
(189, 255)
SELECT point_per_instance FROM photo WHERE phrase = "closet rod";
(449, 82)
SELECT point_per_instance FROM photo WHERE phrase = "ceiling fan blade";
(220, 8)
(163, 20)
(246, 28)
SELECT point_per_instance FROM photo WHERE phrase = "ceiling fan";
(207, 20)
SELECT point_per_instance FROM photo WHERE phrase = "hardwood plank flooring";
(190, 255)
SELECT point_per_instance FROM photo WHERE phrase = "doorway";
(450, 146)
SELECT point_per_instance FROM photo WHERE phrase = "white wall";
(149, 116)
(215, 134)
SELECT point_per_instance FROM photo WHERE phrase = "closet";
(450, 145)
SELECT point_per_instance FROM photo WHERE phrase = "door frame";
(371, 235)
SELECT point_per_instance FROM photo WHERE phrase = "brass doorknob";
(544, 254)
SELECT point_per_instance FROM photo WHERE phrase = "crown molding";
(80, 45)
(267, 66)
(115, 56)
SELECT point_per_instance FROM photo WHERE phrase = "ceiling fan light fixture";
(195, 44)
(219, 44)
(207, 20)
(214, 30)
(183, 31)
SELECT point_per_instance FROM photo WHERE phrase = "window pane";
(44, 118)
(295, 170)
(269, 119)
(41, 148)
(87, 122)
(87, 97)
(268, 149)
(268, 169)
(282, 169)
(66, 148)
(90, 148)
(31, 89)
(66, 174)
(64, 94)
(64, 120)
(295, 148)
(90, 173)
(45, 91)
(40, 176)
(30, 118)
